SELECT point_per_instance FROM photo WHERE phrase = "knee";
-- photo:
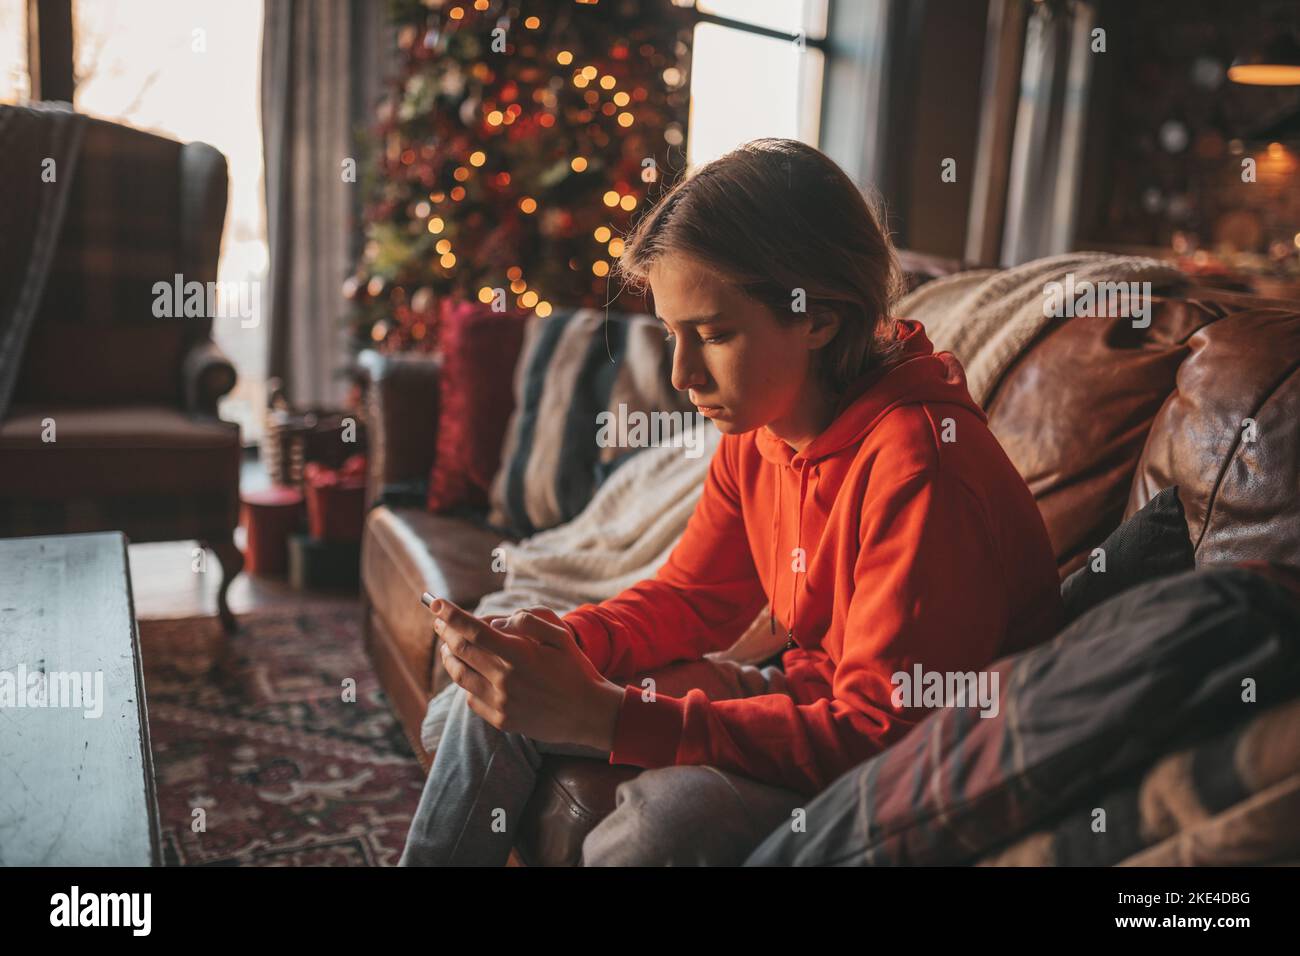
(655, 822)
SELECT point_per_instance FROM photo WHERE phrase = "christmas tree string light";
(516, 145)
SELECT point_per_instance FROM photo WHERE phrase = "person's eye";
(668, 335)
(717, 339)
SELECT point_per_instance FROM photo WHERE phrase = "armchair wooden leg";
(232, 562)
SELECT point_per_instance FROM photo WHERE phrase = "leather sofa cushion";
(406, 551)
(106, 452)
(1074, 411)
(1239, 486)
(573, 794)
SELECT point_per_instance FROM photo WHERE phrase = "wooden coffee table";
(75, 790)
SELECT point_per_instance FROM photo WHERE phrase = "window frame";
(821, 44)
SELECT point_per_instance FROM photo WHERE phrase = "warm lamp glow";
(1277, 64)
(1265, 74)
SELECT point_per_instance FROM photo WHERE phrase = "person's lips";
(708, 411)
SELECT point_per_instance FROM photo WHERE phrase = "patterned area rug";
(254, 731)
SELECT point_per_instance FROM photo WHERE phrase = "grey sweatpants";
(482, 778)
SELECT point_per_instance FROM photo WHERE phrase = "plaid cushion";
(1178, 796)
(1154, 669)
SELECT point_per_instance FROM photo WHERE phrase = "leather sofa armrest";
(207, 375)
(402, 402)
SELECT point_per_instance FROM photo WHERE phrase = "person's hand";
(526, 674)
(538, 610)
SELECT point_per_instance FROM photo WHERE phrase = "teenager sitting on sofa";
(857, 490)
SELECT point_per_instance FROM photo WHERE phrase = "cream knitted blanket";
(988, 317)
(623, 535)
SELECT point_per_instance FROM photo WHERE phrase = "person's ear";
(822, 327)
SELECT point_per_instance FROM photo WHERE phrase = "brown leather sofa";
(133, 398)
(1097, 416)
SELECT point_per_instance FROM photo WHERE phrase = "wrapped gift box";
(336, 500)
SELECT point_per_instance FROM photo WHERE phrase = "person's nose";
(688, 370)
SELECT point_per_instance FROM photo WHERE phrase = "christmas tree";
(518, 143)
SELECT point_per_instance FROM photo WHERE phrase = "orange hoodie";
(921, 544)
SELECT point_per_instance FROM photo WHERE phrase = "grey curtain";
(1047, 151)
(323, 64)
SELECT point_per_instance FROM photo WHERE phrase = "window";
(14, 84)
(756, 70)
(189, 69)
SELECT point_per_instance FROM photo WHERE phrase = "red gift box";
(336, 499)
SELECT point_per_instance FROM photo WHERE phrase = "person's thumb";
(545, 627)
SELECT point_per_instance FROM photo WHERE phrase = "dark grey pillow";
(1152, 543)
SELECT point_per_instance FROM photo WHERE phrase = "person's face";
(740, 366)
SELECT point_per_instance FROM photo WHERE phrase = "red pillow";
(479, 351)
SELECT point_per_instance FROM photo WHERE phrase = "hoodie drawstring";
(798, 544)
(776, 548)
(776, 552)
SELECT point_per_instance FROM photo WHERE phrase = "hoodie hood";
(919, 375)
